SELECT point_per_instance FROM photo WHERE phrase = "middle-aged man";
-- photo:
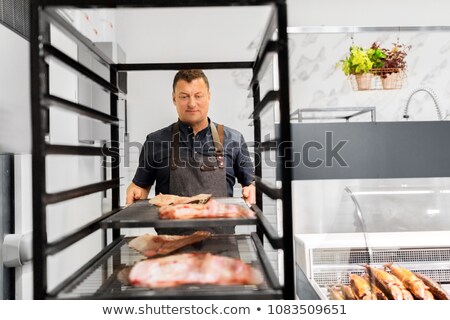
(193, 155)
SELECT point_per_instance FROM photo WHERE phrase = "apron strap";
(217, 135)
(220, 130)
(175, 146)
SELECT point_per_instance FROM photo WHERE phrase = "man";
(193, 155)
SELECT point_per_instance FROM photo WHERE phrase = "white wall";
(15, 114)
(190, 34)
(361, 13)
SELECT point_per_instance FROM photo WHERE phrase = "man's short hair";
(188, 76)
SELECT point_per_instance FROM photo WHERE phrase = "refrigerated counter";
(408, 225)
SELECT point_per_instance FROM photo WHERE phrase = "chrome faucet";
(433, 96)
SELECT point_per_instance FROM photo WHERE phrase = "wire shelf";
(333, 266)
(325, 279)
(361, 256)
(143, 214)
(105, 281)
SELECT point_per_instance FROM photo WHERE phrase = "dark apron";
(198, 174)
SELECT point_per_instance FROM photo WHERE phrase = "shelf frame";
(43, 14)
(114, 251)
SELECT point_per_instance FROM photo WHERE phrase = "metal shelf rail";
(278, 25)
(43, 14)
(335, 113)
(41, 101)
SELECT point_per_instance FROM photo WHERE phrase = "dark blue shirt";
(154, 159)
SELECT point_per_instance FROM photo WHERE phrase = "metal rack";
(340, 113)
(91, 282)
(142, 214)
(43, 14)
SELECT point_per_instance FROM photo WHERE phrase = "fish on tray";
(378, 284)
(377, 294)
(428, 295)
(386, 282)
(193, 268)
(348, 293)
(169, 199)
(336, 293)
(410, 281)
(210, 210)
(151, 245)
(361, 287)
(435, 288)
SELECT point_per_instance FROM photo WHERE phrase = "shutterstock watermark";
(330, 152)
(157, 154)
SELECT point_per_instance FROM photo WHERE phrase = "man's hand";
(249, 193)
(135, 192)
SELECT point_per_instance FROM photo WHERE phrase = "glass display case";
(407, 224)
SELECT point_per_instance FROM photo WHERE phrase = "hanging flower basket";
(379, 79)
(376, 68)
(391, 78)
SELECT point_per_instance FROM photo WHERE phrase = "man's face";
(192, 101)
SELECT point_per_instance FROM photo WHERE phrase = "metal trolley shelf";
(101, 278)
(143, 214)
(97, 278)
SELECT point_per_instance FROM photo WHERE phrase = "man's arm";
(244, 171)
(144, 176)
(134, 192)
(249, 193)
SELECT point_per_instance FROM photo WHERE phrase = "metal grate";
(102, 279)
(329, 278)
(361, 256)
(333, 266)
(15, 14)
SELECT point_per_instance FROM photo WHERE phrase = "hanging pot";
(364, 81)
(392, 81)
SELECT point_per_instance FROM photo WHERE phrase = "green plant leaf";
(357, 62)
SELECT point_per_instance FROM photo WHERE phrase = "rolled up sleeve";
(145, 174)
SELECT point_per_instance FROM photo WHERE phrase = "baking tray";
(99, 278)
(143, 214)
